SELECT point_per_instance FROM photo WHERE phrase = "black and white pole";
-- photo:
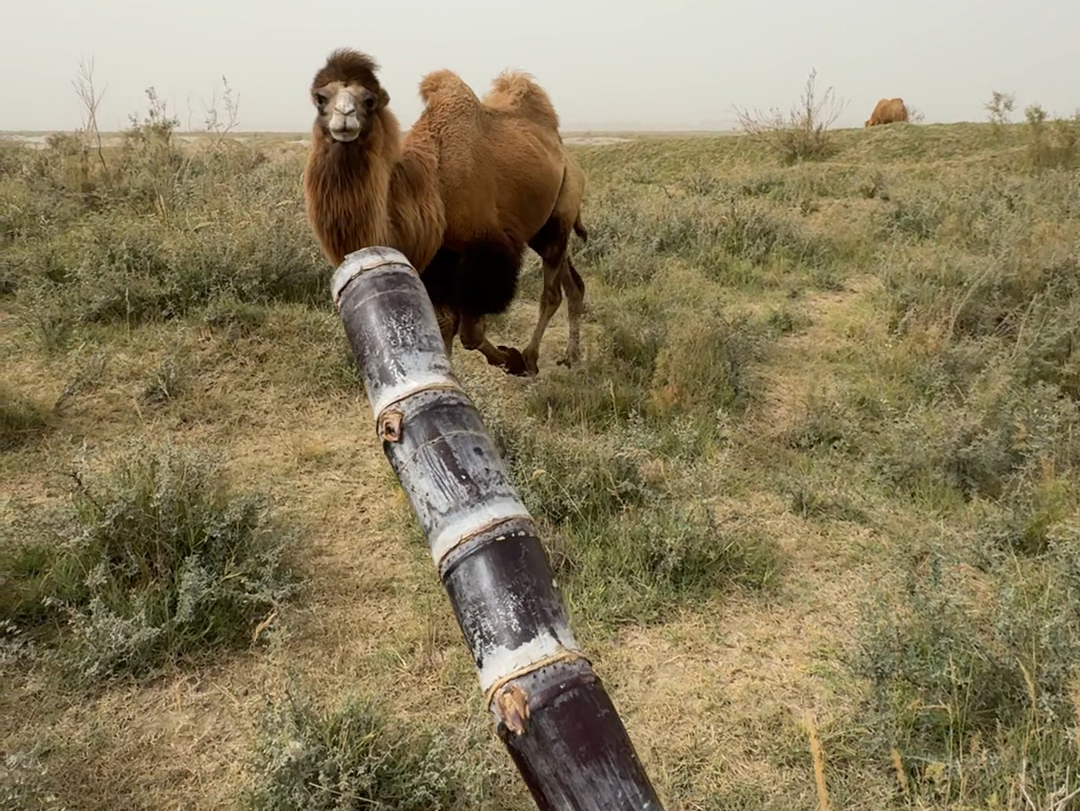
(551, 710)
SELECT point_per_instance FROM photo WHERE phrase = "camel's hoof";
(515, 362)
(531, 365)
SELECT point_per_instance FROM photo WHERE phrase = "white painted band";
(501, 663)
(416, 383)
(472, 523)
(362, 261)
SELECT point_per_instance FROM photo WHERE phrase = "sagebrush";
(152, 559)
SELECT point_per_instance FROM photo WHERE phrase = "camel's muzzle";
(344, 127)
(345, 122)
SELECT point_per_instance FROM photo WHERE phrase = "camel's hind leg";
(473, 337)
(552, 243)
(574, 286)
(550, 300)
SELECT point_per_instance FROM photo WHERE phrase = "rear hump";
(516, 91)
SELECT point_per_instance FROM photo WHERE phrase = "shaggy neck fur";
(374, 192)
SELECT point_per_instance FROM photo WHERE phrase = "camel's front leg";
(472, 337)
(449, 321)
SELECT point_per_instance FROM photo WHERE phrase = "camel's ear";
(384, 98)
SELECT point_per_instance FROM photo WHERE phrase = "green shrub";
(618, 372)
(112, 268)
(655, 365)
(1053, 145)
(642, 566)
(151, 230)
(154, 559)
(349, 758)
(706, 365)
(1000, 437)
(568, 483)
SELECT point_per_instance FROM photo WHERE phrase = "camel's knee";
(471, 333)
(471, 340)
(551, 297)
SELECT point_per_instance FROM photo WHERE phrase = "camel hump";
(443, 83)
(516, 91)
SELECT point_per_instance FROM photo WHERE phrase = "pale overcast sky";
(642, 64)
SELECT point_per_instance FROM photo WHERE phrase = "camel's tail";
(578, 281)
(516, 91)
(582, 232)
(580, 229)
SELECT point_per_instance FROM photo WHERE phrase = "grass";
(815, 473)
(21, 418)
(151, 234)
(972, 693)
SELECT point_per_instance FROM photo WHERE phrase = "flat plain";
(813, 487)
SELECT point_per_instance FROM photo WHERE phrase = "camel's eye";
(320, 99)
(369, 102)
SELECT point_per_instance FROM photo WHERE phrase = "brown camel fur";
(461, 195)
(887, 111)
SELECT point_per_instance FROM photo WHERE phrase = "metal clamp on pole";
(551, 710)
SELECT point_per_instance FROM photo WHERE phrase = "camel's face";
(346, 110)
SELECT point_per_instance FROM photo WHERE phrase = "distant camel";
(461, 195)
(887, 111)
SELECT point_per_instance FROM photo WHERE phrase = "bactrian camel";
(887, 111)
(461, 194)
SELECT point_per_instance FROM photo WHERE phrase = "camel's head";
(347, 96)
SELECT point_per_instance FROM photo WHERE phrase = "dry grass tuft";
(802, 135)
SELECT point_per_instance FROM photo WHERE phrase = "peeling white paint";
(473, 521)
(362, 261)
(501, 662)
(414, 382)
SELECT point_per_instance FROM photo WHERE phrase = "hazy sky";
(650, 64)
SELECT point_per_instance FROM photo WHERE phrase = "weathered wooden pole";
(551, 710)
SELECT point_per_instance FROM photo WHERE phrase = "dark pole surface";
(551, 710)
